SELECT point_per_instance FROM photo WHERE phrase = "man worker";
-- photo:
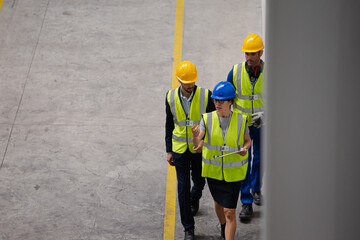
(248, 79)
(184, 107)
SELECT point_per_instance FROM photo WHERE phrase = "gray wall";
(312, 135)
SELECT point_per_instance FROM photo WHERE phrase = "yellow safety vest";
(248, 100)
(230, 168)
(181, 136)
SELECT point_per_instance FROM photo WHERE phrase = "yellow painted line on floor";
(170, 200)
(1, 2)
(177, 40)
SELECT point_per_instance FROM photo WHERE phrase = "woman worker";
(224, 155)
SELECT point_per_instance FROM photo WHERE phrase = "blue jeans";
(253, 179)
(184, 163)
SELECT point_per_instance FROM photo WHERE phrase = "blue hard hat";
(223, 90)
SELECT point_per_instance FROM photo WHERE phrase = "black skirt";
(224, 193)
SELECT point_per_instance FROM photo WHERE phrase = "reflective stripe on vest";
(230, 168)
(248, 110)
(181, 137)
(247, 100)
(172, 106)
(225, 165)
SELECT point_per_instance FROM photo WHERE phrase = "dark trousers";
(184, 164)
(253, 179)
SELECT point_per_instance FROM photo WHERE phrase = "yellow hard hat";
(186, 72)
(252, 43)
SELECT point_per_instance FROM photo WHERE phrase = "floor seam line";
(23, 91)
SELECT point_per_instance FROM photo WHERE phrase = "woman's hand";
(198, 149)
(195, 131)
(197, 136)
(243, 151)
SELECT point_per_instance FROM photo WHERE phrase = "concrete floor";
(82, 92)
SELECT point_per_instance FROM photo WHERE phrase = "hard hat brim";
(222, 98)
(187, 82)
(251, 51)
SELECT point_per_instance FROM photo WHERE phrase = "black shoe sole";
(258, 203)
(245, 218)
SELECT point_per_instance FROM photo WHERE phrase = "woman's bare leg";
(219, 210)
(230, 228)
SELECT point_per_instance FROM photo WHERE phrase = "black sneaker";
(246, 212)
(194, 207)
(258, 199)
(189, 234)
(222, 237)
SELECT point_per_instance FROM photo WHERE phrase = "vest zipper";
(253, 91)
(187, 142)
(222, 164)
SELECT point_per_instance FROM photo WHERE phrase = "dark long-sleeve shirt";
(169, 124)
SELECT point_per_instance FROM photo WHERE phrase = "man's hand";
(170, 159)
(257, 119)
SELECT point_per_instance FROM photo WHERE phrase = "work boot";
(189, 234)
(194, 207)
(258, 199)
(246, 212)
